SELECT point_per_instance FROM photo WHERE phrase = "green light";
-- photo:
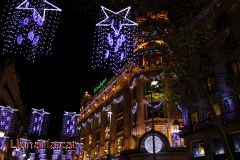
(101, 84)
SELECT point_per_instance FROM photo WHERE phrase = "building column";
(127, 119)
(140, 109)
(102, 134)
(113, 129)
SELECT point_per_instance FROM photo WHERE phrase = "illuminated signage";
(101, 84)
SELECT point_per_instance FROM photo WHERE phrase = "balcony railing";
(196, 127)
(230, 116)
(226, 117)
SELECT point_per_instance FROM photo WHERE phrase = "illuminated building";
(117, 120)
(202, 132)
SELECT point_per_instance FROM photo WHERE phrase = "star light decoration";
(7, 116)
(29, 28)
(113, 40)
(69, 128)
(39, 122)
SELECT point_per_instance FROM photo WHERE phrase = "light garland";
(39, 122)
(7, 114)
(69, 128)
(134, 83)
(28, 29)
(98, 115)
(118, 100)
(114, 41)
(107, 88)
(134, 109)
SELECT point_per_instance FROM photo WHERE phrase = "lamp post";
(153, 83)
(109, 113)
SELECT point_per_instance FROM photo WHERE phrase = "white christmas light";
(26, 5)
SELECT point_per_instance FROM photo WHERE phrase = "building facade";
(122, 118)
(202, 132)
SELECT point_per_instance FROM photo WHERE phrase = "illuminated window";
(106, 147)
(97, 122)
(198, 149)
(119, 144)
(211, 83)
(236, 142)
(96, 149)
(176, 140)
(217, 109)
(152, 59)
(182, 142)
(218, 146)
(194, 117)
(107, 132)
(90, 139)
(235, 68)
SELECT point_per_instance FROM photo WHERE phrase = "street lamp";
(153, 83)
(109, 113)
(2, 134)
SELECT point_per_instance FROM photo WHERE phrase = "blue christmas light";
(47, 6)
(69, 128)
(6, 118)
(114, 40)
(38, 123)
(116, 19)
(29, 28)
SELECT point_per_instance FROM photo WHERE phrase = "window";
(98, 135)
(198, 149)
(217, 109)
(119, 125)
(120, 107)
(194, 117)
(152, 59)
(161, 112)
(211, 83)
(223, 21)
(218, 146)
(106, 147)
(96, 149)
(226, 105)
(119, 144)
(235, 69)
(107, 132)
(239, 99)
(90, 139)
(236, 142)
(134, 93)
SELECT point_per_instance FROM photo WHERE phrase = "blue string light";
(29, 28)
(38, 123)
(113, 40)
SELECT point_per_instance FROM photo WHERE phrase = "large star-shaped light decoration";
(116, 19)
(39, 111)
(8, 108)
(46, 6)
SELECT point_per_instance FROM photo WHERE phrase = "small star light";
(29, 27)
(113, 40)
(69, 128)
(39, 121)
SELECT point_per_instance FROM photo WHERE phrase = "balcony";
(230, 116)
(196, 127)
